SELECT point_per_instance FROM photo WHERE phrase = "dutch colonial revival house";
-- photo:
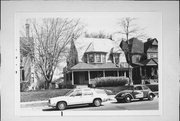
(97, 58)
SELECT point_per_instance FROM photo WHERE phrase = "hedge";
(109, 81)
(153, 87)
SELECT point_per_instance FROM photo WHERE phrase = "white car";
(79, 96)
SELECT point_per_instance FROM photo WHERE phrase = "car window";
(99, 91)
(145, 88)
(86, 93)
(77, 93)
(138, 88)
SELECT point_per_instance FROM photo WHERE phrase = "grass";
(46, 94)
(42, 95)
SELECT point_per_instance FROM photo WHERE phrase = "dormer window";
(91, 58)
(115, 58)
(95, 57)
(98, 58)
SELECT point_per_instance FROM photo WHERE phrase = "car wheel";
(61, 105)
(150, 97)
(97, 102)
(127, 98)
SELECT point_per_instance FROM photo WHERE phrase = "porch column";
(118, 73)
(124, 73)
(89, 76)
(145, 71)
(72, 78)
(140, 69)
(104, 73)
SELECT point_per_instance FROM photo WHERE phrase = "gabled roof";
(99, 45)
(150, 62)
(151, 45)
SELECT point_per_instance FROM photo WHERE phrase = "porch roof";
(150, 62)
(104, 66)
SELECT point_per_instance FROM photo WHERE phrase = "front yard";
(46, 94)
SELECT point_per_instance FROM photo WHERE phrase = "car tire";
(97, 102)
(61, 105)
(127, 98)
(150, 97)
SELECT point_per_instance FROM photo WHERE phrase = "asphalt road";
(110, 105)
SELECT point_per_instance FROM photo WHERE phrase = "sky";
(151, 22)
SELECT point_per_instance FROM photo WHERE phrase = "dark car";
(135, 92)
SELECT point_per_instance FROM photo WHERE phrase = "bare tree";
(51, 37)
(100, 34)
(130, 29)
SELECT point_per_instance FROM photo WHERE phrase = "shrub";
(109, 81)
(153, 87)
(70, 86)
(24, 86)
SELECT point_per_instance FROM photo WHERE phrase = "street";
(108, 106)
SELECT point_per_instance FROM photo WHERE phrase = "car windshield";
(68, 93)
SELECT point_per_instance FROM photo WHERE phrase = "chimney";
(27, 30)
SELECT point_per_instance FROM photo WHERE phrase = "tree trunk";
(46, 84)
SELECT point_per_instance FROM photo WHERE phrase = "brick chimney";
(27, 30)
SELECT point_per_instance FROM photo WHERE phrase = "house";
(27, 71)
(149, 66)
(143, 59)
(97, 58)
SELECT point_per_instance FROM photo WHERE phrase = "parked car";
(78, 97)
(135, 92)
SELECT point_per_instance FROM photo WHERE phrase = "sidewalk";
(34, 104)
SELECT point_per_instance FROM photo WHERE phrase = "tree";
(129, 29)
(100, 34)
(51, 37)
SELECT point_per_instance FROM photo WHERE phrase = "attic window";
(91, 58)
(98, 58)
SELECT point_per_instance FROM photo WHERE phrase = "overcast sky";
(107, 21)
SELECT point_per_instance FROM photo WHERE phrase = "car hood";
(59, 98)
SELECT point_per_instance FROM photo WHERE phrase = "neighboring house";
(97, 58)
(144, 60)
(149, 66)
(27, 72)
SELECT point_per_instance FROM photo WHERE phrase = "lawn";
(42, 95)
(46, 94)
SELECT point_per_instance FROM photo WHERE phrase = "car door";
(87, 96)
(138, 92)
(145, 91)
(75, 98)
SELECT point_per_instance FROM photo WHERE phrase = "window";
(98, 58)
(87, 93)
(145, 88)
(91, 58)
(116, 58)
(77, 93)
(138, 88)
(103, 58)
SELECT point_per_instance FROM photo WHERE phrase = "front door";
(82, 78)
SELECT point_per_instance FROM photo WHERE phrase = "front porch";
(84, 77)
